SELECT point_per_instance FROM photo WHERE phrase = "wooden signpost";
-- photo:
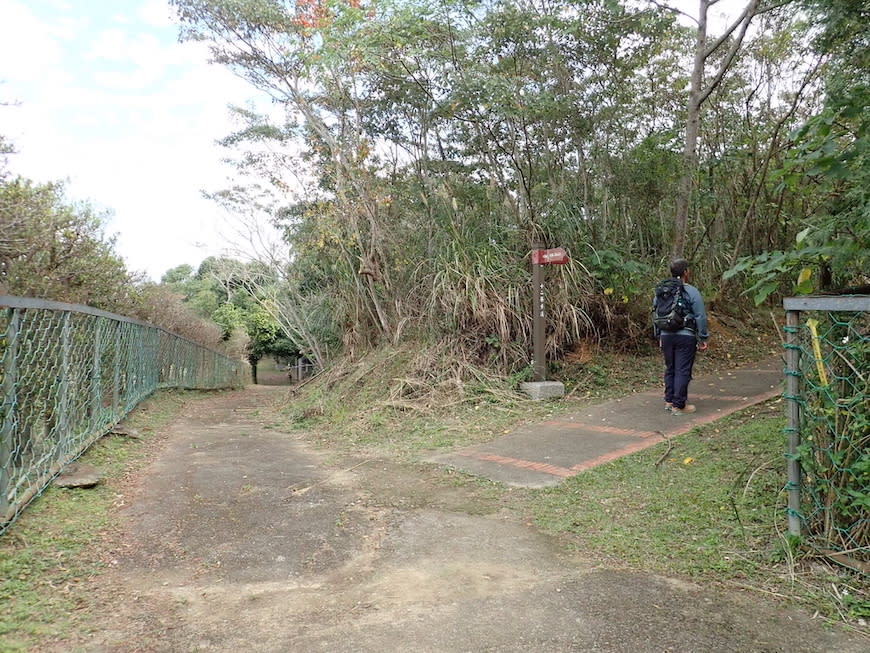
(540, 258)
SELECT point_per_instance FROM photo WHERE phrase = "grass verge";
(708, 505)
(687, 505)
(48, 553)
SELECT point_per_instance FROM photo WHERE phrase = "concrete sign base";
(538, 390)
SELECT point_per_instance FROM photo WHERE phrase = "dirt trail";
(242, 537)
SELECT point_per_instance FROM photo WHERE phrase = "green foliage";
(829, 168)
(496, 127)
(770, 268)
(262, 330)
(430, 143)
(835, 452)
(240, 299)
(202, 290)
(53, 249)
(625, 278)
(230, 318)
(178, 275)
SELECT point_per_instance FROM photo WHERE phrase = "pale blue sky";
(110, 101)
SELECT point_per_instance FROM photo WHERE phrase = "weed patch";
(53, 547)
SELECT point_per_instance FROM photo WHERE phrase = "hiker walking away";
(680, 324)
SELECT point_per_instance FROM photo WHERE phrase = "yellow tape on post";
(813, 325)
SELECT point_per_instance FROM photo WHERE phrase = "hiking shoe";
(688, 408)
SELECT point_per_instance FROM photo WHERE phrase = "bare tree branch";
(673, 10)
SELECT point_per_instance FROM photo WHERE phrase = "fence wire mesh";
(69, 373)
(830, 359)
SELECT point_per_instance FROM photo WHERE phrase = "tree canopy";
(422, 147)
(55, 249)
(828, 168)
(416, 150)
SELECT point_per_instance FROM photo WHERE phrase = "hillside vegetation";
(414, 152)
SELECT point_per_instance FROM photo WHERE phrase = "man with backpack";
(680, 324)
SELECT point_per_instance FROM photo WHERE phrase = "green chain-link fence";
(828, 348)
(69, 373)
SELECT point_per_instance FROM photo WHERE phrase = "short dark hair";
(679, 267)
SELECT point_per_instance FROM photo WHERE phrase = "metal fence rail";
(828, 392)
(69, 373)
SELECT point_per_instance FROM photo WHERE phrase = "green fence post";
(7, 427)
(792, 318)
(97, 375)
(64, 422)
(155, 359)
(116, 379)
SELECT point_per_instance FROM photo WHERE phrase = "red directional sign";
(557, 256)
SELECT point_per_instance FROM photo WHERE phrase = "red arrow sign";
(557, 256)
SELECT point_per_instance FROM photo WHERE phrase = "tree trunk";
(698, 94)
(690, 146)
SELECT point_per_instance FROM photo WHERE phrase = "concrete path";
(543, 454)
(241, 536)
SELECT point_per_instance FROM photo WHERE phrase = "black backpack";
(672, 310)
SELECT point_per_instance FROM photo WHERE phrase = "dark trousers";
(679, 352)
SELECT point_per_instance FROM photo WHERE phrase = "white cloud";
(157, 13)
(25, 34)
(113, 103)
